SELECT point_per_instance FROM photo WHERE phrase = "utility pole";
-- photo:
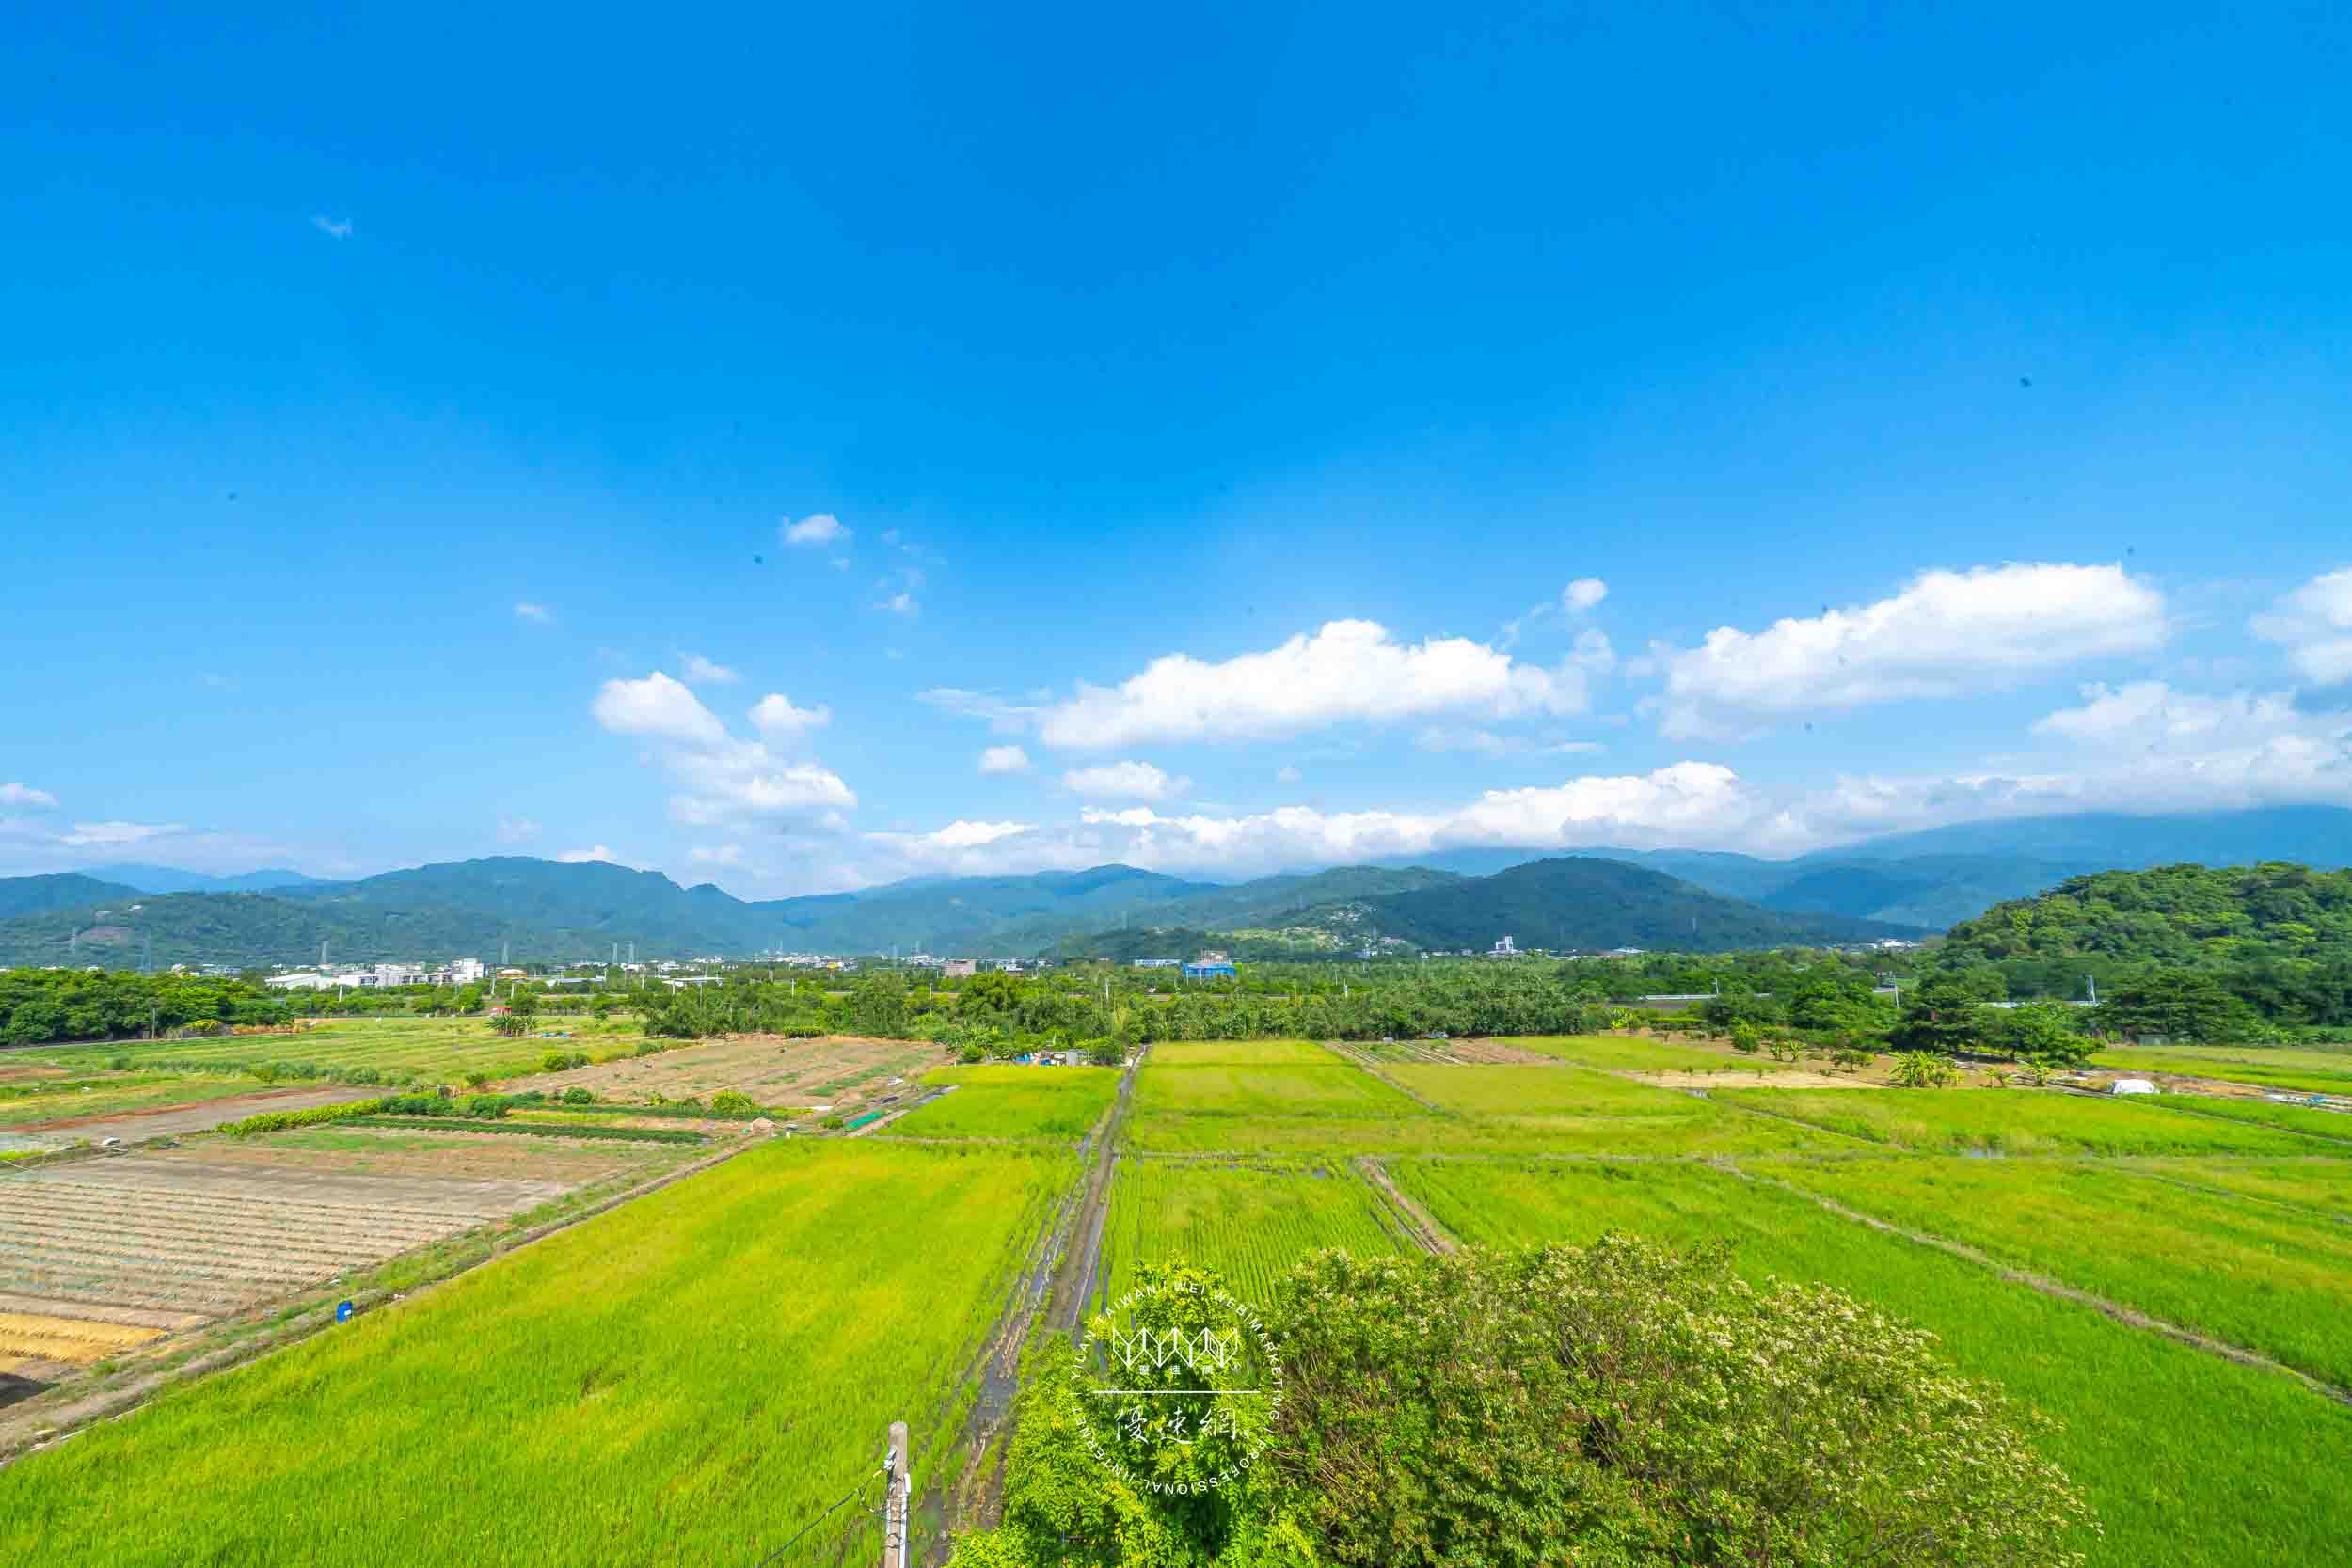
(896, 1503)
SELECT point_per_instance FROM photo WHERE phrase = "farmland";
(684, 1379)
(2184, 1256)
(391, 1050)
(1252, 1224)
(1637, 1054)
(1237, 1091)
(1012, 1102)
(2140, 1411)
(2316, 1071)
(2018, 1123)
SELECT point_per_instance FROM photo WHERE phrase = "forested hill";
(1577, 903)
(2176, 915)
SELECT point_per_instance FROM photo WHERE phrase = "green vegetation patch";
(1240, 1054)
(128, 1095)
(685, 1379)
(2143, 1416)
(1013, 1103)
(2255, 1275)
(1336, 1090)
(2015, 1122)
(2316, 1071)
(1629, 1054)
(1252, 1225)
(2265, 1112)
(1535, 1090)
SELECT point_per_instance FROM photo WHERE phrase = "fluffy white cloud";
(901, 604)
(593, 852)
(775, 716)
(1348, 670)
(2315, 625)
(1125, 780)
(960, 835)
(1583, 595)
(699, 671)
(726, 779)
(15, 794)
(1004, 759)
(516, 830)
(526, 610)
(1946, 634)
(818, 527)
(657, 707)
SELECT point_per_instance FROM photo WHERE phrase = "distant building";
(465, 972)
(1504, 948)
(961, 969)
(1205, 971)
(1157, 963)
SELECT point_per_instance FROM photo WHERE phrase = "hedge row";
(277, 1121)
(542, 1129)
(612, 1107)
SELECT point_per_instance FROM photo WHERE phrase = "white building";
(1504, 948)
(961, 969)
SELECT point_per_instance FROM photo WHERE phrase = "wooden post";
(898, 1505)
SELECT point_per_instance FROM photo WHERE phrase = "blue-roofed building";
(1211, 966)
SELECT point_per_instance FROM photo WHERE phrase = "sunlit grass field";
(399, 1050)
(685, 1380)
(1335, 1089)
(1252, 1225)
(991, 1101)
(2018, 1123)
(2313, 1070)
(2188, 1460)
(1630, 1053)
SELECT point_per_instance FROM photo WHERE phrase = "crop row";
(542, 1129)
(1252, 1225)
(2141, 1413)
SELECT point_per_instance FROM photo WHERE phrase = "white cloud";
(333, 228)
(593, 852)
(1583, 595)
(1125, 780)
(1004, 759)
(1286, 774)
(657, 707)
(1003, 717)
(109, 833)
(1347, 670)
(516, 830)
(526, 610)
(818, 527)
(1946, 634)
(775, 716)
(726, 779)
(2315, 624)
(699, 671)
(901, 604)
(15, 794)
(960, 835)
(720, 854)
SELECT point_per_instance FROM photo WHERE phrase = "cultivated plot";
(2188, 1459)
(686, 1379)
(2313, 1070)
(834, 1073)
(2019, 1122)
(391, 1050)
(1334, 1090)
(1635, 1053)
(1252, 1225)
(1240, 1054)
(989, 1102)
(2269, 1279)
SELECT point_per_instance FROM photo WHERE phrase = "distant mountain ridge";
(165, 879)
(547, 910)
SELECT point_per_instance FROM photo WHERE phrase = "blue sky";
(1276, 435)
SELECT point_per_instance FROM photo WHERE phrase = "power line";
(845, 1497)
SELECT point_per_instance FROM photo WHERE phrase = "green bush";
(279, 1121)
(577, 1095)
(733, 1099)
(834, 1123)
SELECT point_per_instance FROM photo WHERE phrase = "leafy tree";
(1942, 1016)
(2044, 1032)
(1920, 1070)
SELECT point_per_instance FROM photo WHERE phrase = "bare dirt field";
(1468, 1051)
(1789, 1079)
(194, 1115)
(108, 1254)
(835, 1071)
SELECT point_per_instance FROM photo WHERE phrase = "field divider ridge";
(1420, 1224)
(2130, 1317)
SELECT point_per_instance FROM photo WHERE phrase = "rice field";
(1701, 1131)
(684, 1379)
(1252, 1224)
(2270, 1279)
(1534, 1090)
(1335, 1089)
(2321, 1185)
(1062, 1102)
(1241, 1054)
(397, 1049)
(2309, 1119)
(2017, 1122)
(2188, 1459)
(2315, 1071)
(1633, 1054)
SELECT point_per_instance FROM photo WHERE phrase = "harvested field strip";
(703, 1368)
(2141, 1413)
(163, 1243)
(137, 1201)
(26, 1338)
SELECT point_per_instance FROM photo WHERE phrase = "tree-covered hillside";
(2187, 916)
(57, 890)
